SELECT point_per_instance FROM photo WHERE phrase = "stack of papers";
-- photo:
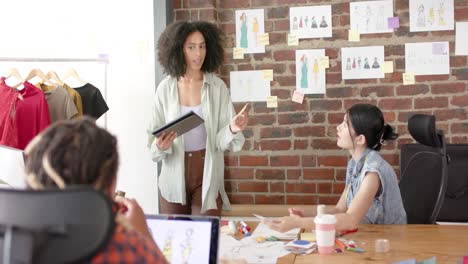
(264, 231)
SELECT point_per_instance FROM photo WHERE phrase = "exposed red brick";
(276, 187)
(252, 186)
(252, 161)
(269, 199)
(331, 161)
(319, 174)
(241, 198)
(294, 174)
(301, 199)
(284, 161)
(269, 174)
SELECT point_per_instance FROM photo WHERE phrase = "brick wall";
(290, 155)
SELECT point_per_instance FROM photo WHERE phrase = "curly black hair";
(72, 152)
(171, 44)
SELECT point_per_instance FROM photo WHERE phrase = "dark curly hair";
(368, 120)
(72, 152)
(171, 44)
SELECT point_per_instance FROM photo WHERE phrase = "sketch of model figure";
(315, 70)
(323, 24)
(366, 64)
(359, 62)
(186, 245)
(314, 23)
(375, 65)
(380, 19)
(356, 14)
(295, 23)
(306, 20)
(167, 250)
(300, 23)
(304, 79)
(255, 30)
(431, 18)
(368, 17)
(243, 39)
(441, 14)
(421, 22)
(348, 64)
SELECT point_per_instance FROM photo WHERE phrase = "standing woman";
(192, 174)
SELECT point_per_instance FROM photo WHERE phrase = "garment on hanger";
(32, 114)
(76, 97)
(94, 104)
(61, 105)
(8, 127)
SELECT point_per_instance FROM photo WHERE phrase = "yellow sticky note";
(324, 62)
(263, 39)
(298, 97)
(268, 75)
(293, 40)
(272, 101)
(353, 35)
(309, 237)
(408, 78)
(388, 67)
(238, 53)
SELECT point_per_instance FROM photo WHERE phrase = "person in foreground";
(192, 172)
(78, 152)
(371, 194)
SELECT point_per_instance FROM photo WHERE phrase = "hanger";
(13, 72)
(72, 73)
(52, 76)
(44, 80)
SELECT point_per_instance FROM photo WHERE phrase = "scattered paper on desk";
(353, 35)
(263, 39)
(268, 75)
(272, 101)
(249, 249)
(408, 78)
(324, 62)
(298, 97)
(265, 231)
(393, 22)
(238, 53)
(388, 67)
(293, 40)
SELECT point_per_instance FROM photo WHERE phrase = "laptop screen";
(186, 239)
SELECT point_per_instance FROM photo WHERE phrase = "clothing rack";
(101, 59)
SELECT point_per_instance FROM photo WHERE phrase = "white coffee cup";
(325, 233)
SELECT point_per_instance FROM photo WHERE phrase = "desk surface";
(447, 242)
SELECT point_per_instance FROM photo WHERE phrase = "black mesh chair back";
(423, 180)
(54, 226)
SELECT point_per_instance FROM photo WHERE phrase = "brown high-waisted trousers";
(194, 162)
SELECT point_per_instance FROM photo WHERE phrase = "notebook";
(12, 168)
(180, 125)
(185, 238)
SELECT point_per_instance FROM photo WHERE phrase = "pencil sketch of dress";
(421, 22)
(314, 23)
(366, 64)
(323, 24)
(243, 39)
(375, 65)
(304, 79)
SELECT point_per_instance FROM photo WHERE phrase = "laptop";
(185, 238)
(12, 173)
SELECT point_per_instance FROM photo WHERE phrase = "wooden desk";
(447, 242)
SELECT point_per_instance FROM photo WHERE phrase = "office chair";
(53, 226)
(423, 182)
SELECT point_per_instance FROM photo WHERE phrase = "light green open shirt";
(218, 112)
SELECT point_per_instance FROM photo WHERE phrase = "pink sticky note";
(465, 260)
(438, 48)
(298, 97)
(393, 22)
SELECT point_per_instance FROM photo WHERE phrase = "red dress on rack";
(32, 114)
(8, 127)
